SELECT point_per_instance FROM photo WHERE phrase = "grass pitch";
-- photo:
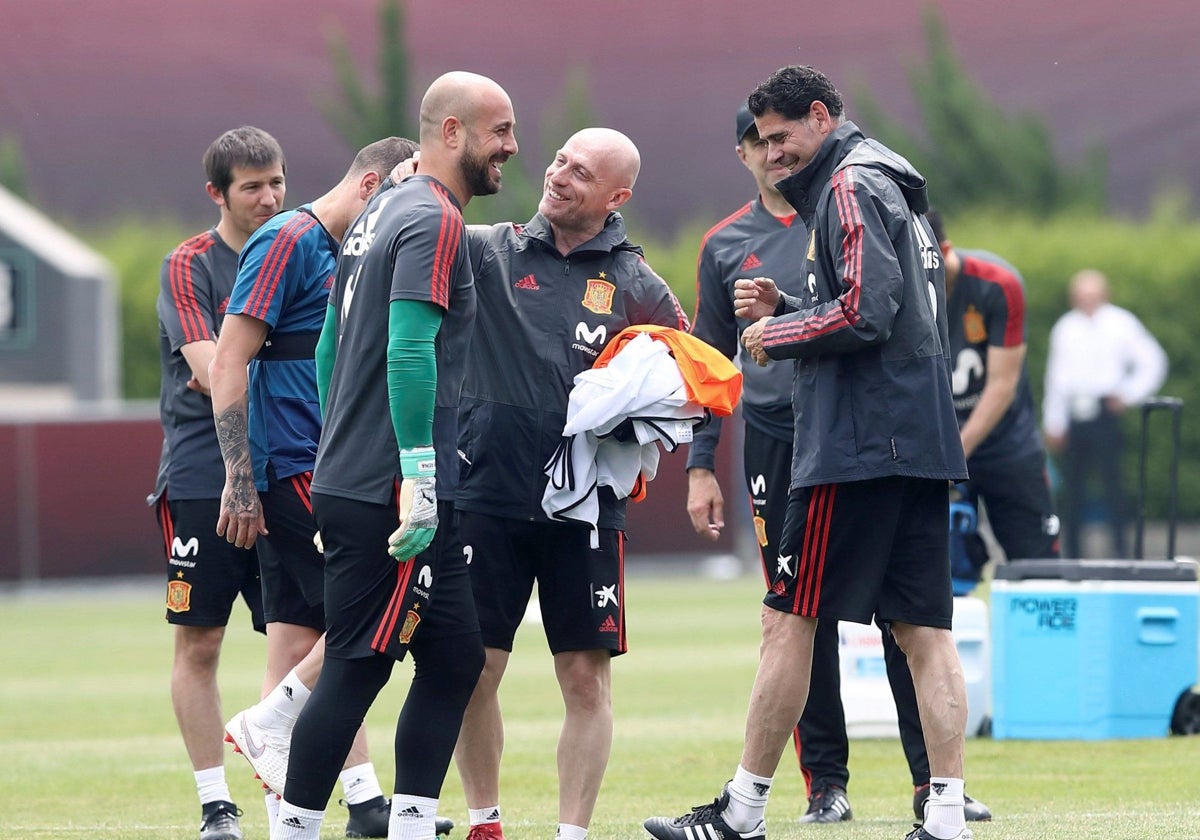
(89, 747)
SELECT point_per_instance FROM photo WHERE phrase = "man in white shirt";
(1101, 361)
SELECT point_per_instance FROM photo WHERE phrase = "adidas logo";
(527, 282)
(494, 816)
(761, 789)
(287, 690)
(778, 588)
(293, 822)
(938, 788)
(608, 625)
(751, 262)
(412, 812)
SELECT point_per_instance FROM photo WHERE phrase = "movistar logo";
(596, 336)
(179, 548)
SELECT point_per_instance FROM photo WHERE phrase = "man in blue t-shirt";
(268, 420)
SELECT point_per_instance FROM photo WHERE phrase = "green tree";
(12, 167)
(972, 152)
(357, 114)
(136, 247)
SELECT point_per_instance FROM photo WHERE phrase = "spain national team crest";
(760, 530)
(410, 626)
(974, 330)
(179, 596)
(598, 296)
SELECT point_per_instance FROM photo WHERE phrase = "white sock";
(297, 823)
(413, 817)
(566, 831)
(747, 799)
(481, 816)
(360, 784)
(283, 704)
(271, 801)
(211, 786)
(944, 811)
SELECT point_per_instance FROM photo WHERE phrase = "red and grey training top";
(986, 309)
(748, 243)
(194, 286)
(408, 244)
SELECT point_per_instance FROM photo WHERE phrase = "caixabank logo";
(1050, 614)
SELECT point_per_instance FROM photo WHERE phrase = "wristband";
(418, 462)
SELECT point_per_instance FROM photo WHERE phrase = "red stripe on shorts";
(391, 615)
(811, 565)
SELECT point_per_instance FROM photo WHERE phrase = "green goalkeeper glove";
(418, 504)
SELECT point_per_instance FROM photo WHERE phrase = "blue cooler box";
(1092, 649)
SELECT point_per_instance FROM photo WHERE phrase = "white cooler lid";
(1158, 570)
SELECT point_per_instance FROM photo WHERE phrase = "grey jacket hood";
(848, 146)
(912, 183)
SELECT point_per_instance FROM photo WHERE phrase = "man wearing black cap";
(760, 239)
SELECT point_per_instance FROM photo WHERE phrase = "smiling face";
(590, 176)
(490, 141)
(753, 153)
(792, 144)
(253, 196)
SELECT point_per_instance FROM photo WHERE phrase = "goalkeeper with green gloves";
(389, 371)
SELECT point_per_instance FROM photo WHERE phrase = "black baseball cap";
(745, 122)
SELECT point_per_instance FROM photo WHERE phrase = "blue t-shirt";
(284, 276)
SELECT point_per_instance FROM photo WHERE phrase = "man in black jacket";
(552, 293)
(760, 240)
(876, 445)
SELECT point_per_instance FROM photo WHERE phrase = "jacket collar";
(803, 187)
(611, 237)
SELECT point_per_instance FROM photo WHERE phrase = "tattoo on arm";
(233, 436)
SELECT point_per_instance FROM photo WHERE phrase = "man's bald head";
(467, 133)
(611, 151)
(457, 94)
(591, 176)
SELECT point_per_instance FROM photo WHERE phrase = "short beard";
(477, 172)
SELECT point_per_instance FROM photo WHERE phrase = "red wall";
(73, 500)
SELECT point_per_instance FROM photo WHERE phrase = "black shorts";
(863, 550)
(205, 574)
(293, 571)
(1016, 493)
(767, 462)
(580, 589)
(374, 604)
